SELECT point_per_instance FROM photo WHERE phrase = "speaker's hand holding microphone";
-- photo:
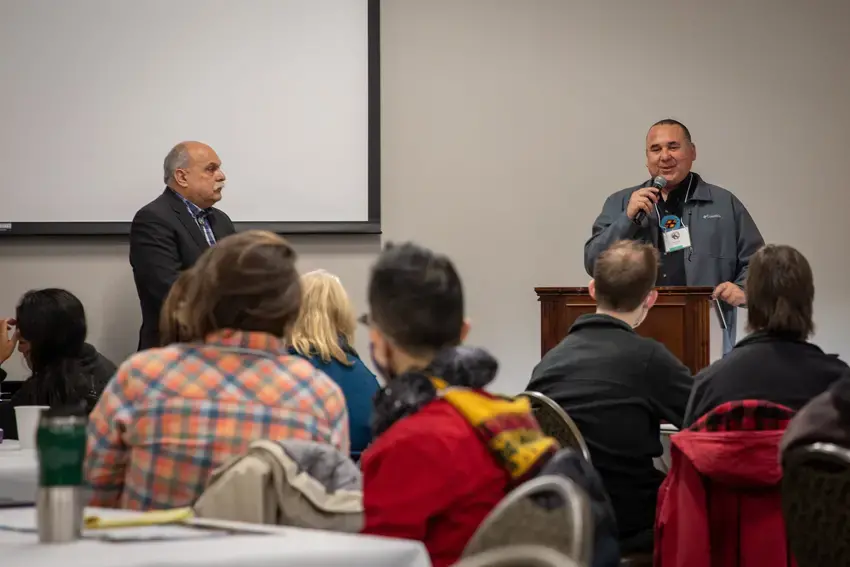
(642, 200)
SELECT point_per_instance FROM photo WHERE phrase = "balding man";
(704, 233)
(172, 231)
(619, 386)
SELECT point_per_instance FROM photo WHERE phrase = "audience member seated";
(324, 334)
(440, 460)
(51, 335)
(173, 414)
(618, 386)
(825, 419)
(775, 363)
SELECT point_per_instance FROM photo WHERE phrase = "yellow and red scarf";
(507, 426)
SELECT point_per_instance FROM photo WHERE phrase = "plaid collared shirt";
(170, 416)
(201, 216)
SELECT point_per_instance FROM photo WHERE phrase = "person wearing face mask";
(704, 233)
(169, 234)
(618, 386)
(445, 452)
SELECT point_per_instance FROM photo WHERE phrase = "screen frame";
(370, 226)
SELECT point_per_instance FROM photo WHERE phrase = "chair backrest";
(518, 556)
(549, 510)
(555, 422)
(816, 504)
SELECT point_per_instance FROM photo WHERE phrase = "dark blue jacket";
(359, 386)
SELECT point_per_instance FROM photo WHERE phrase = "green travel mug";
(61, 447)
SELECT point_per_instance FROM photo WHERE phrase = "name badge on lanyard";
(677, 239)
(676, 235)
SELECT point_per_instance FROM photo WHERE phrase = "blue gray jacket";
(723, 235)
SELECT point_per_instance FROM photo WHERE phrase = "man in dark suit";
(170, 233)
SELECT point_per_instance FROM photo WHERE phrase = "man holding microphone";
(703, 232)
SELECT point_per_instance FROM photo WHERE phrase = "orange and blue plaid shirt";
(170, 416)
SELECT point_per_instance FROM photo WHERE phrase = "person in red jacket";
(445, 452)
(721, 504)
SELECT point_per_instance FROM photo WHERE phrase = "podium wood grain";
(679, 319)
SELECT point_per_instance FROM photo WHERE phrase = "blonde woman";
(324, 335)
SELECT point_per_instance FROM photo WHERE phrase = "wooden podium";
(679, 319)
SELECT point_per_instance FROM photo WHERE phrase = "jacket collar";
(343, 344)
(768, 337)
(599, 320)
(405, 395)
(252, 340)
(88, 353)
(186, 218)
(701, 191)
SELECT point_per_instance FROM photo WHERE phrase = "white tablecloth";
(18, 471)
(186, 546)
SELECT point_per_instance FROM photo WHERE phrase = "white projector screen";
(95, 93)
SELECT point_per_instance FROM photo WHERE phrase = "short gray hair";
(177, 158)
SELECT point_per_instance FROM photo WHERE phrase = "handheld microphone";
(659, 183)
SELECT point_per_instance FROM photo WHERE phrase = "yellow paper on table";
(153, 518)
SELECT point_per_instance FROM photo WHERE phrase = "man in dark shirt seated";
(775, 363)
(618, 386)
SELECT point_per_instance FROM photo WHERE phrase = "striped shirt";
(201, 216)
(170, 416)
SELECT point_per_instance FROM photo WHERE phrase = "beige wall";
(506, 123)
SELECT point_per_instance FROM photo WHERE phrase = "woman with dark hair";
(51, 335)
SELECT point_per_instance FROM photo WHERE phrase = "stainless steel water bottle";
(61, 446)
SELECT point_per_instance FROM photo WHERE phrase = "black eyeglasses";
(365, 320)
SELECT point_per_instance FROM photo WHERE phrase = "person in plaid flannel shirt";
(171, 415)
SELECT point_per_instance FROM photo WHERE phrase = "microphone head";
(659, 182)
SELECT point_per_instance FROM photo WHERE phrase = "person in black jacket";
(51, 335)
(618, 386)
(775, 363)
(825, 419)
(169, 234)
